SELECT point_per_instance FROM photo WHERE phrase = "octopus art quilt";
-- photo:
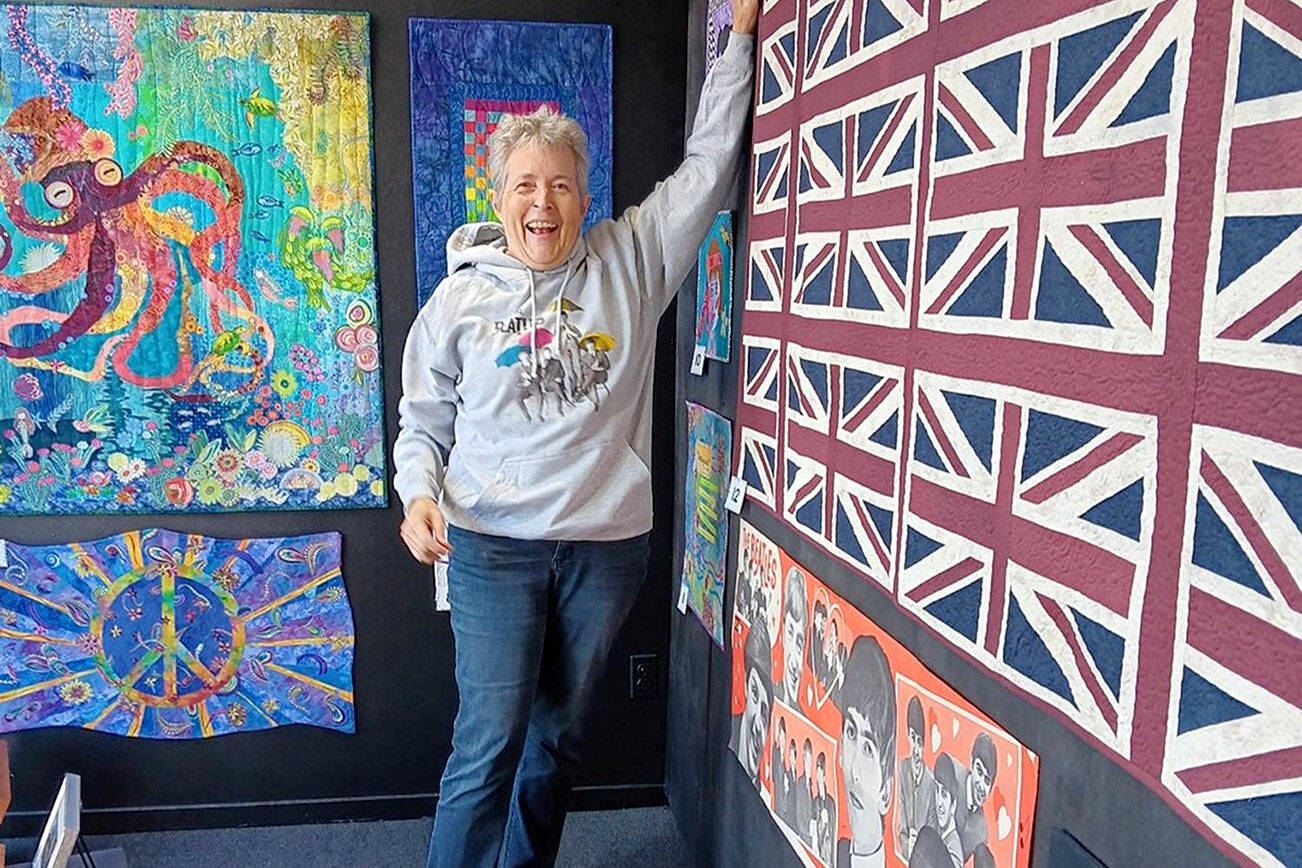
(857, 748)
(1022, 345)
(188, 313)
(164, 635)
(464, 76)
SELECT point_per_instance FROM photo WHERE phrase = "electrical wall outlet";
(643, 676)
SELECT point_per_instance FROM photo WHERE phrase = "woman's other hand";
(425, 531)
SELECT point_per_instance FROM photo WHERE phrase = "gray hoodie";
(526, 405)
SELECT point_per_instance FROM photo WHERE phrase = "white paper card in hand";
(441, 603)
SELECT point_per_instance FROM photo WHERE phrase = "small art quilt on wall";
(857, 749)
(188, 310)
(714, 290)
(1022, 341)
(705, 546)
(164, 635)
(464, 76)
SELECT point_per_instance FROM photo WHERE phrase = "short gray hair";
(543, 127)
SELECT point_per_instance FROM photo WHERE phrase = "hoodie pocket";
(468, 483)
(579, 489)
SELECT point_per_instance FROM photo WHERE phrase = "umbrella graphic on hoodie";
(537, 338)
(599, 341)
(510, 356)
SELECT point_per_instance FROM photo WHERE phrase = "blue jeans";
(533, 622)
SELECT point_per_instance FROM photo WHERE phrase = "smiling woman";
(539, 165)
(523, 449)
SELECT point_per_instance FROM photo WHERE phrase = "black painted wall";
(1110, 818)
(405, 692)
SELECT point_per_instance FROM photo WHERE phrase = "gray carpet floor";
(634, 838)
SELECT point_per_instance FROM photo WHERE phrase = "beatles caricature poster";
(863, 756)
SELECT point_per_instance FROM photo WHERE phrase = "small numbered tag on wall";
(441, 603)
(698, 360)
(736, 494)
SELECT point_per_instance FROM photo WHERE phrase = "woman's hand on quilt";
(745, 15)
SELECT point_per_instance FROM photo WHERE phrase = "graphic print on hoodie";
(555, 368)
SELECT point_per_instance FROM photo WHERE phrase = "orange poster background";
(952, 723)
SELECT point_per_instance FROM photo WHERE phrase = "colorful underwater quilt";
(705, 545)
(464, 76)
(158, 634)
(188, 314)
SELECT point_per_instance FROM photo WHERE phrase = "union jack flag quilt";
(1022, 346)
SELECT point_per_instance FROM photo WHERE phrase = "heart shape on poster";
(823, 692)
(1005, 823)
(935, 738)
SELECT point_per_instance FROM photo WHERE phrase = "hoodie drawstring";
(533, 320)
(533, 313)
(560, 299)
